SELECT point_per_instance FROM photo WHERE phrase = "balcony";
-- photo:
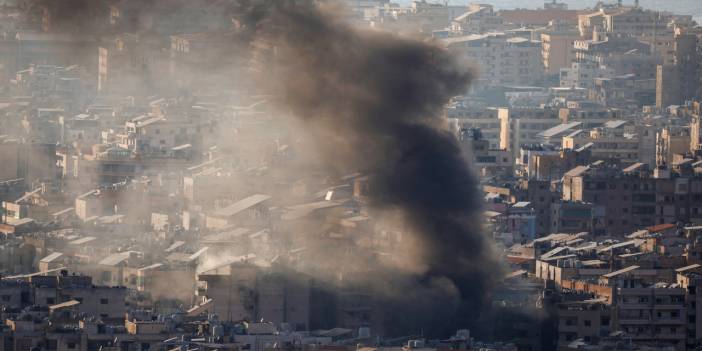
(634, 321)
(669, 321)
(671, 336)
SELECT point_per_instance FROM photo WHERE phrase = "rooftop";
(241, 205)
(559, 129)
(621, 271)
(52, 257)
(115, 258)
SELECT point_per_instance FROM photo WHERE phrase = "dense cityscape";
(349, 175)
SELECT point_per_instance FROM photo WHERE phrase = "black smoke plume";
(373, 102)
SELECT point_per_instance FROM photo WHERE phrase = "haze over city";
(350, 175)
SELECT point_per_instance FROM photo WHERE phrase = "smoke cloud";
(372, 102)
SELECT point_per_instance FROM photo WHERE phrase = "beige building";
(613, 141)
(243, 290)
(557, 51)
(520, 126)
(671, 141)
(590, 115)
(498, 58)
(587, 320)
(486, 120)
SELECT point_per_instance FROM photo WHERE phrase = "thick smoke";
(373, 103)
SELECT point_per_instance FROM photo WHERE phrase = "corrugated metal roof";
(688, 268)
(634, 167)
(28, 195)
(577, 171)
(621, 271)
(241, 205)
(614, 124)
(64, 305)
(554, 252)
(175, 245)
(50, 258)
(82, 241)
(115, 258)
(299, 211)
(150, 267)
(561, 128)
(231, 235)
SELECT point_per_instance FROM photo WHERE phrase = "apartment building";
(486, 120)
(558, 51)
(583, 75)
(615, 141)
(521, 126)
(589, 114)
(498, 58)
(480, 18)
(637, 198)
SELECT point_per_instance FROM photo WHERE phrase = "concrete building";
(558, 51)
(589, 114)
(588, 320)
(489, 162)
(553, 165)
(636, 22)
(499, 59)
(613, 142)
(486, 120)
(625, 92)
(671, 141)
(521, 125)
(635, 198)
(554, 136)
(583, 75)
(242, 290)
(622, 55)
(248, 211)
(480, 18)
(575, 217)
(517, 224)
(679, 81)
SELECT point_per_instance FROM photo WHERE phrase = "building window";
(71, 345)
(104, 301)
(588, 323)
